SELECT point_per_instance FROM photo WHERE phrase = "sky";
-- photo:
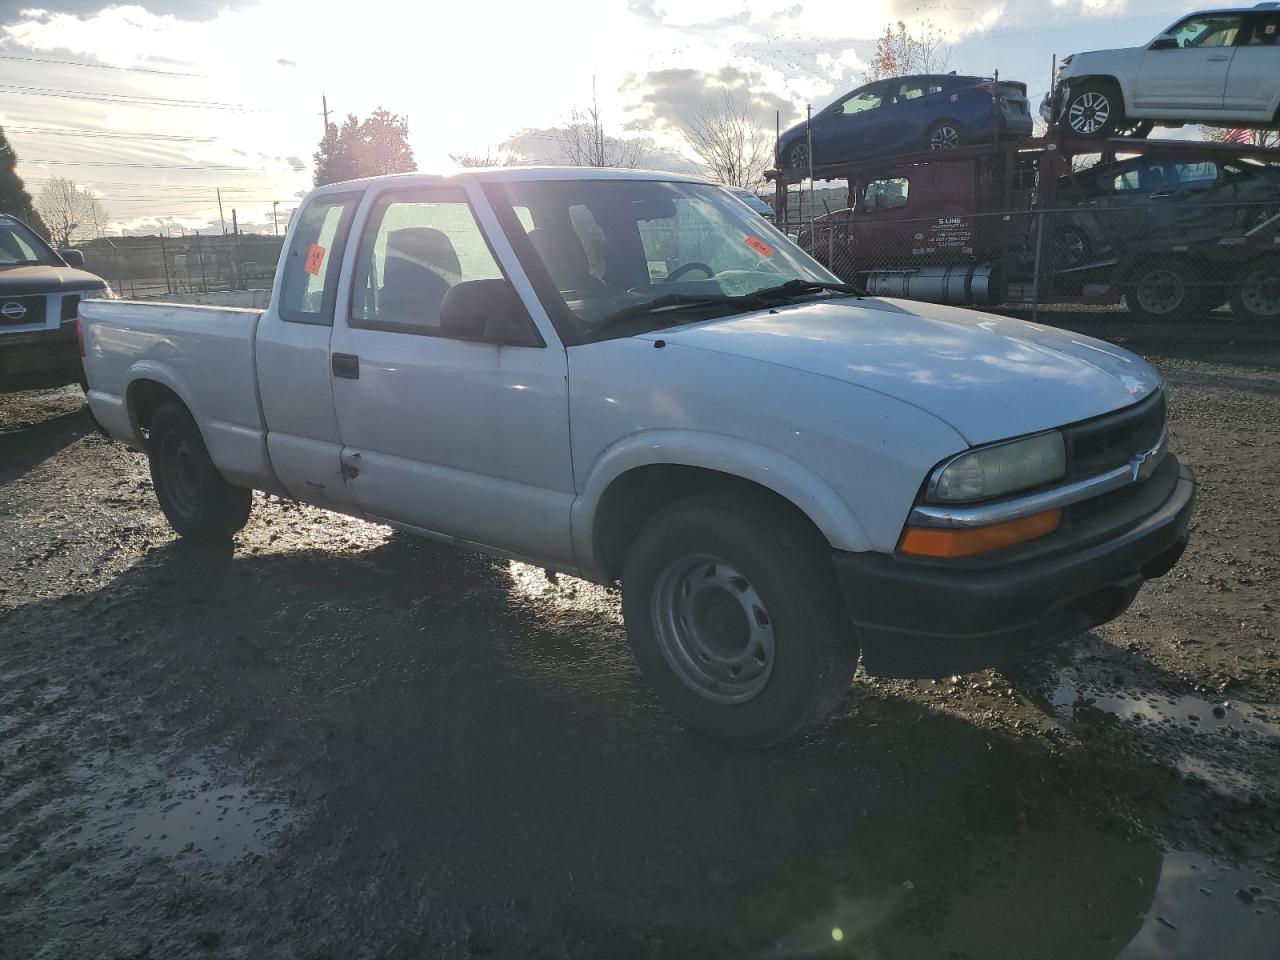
(155, 105)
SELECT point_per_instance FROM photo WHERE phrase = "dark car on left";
(40, 293)
(909, 114)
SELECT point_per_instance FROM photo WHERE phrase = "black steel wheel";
(196, 499)
(735, 617)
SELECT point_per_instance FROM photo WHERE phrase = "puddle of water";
(1202, 908)
(138, 806)
(1071, 701)
(1082, 895)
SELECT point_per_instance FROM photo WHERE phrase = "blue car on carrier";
(908, 114)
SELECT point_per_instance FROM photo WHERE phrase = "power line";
(123, 98)
(139, 166)
(99, 66)
(114, 135)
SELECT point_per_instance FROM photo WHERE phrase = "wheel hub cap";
(713, 628)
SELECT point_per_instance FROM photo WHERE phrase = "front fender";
(724, 454)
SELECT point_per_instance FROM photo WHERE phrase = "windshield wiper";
(676, 303)
(798, 287)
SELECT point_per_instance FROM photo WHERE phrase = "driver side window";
(1207, 31)
(869, 99)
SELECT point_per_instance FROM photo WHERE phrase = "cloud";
(668, 98)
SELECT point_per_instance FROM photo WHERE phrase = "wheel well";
(635, 496)
(1075, 83)
(145, 397)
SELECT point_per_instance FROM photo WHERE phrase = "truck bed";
(204, 355)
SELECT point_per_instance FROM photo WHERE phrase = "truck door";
(465, 438)
(1251, 81)
(1192, 71)
(292, 354)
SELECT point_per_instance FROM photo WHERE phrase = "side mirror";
(74, 258)
(488, 310)
(1164, 43)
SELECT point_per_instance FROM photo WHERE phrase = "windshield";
(20, 245)
(607, 247)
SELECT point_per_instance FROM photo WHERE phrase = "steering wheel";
(684, 268)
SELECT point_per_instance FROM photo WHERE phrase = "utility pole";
(235, 228)
(324, 103)
(220, 216)
(275, 224)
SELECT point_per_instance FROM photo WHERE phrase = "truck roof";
(519, 175)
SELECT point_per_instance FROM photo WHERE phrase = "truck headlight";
(106, 293)
(999, 469)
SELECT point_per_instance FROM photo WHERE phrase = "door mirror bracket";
(490, 311)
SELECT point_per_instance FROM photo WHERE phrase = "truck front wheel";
(197, 501)
(734, 616)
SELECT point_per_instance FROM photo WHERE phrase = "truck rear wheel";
(735, 618)
(197, 501)
(1159, 291)
(1255, 293)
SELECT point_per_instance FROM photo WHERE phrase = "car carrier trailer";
(992, 224)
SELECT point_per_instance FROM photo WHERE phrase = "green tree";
(14, 199)
(364, 148)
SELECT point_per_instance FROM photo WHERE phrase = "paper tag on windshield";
(315, 259)
(759, 246)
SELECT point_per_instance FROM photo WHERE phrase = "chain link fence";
(143, 267)
(1168, 260)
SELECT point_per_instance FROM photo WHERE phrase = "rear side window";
(1266, 27)
(310, 281)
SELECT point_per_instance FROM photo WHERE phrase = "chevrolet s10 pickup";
(632, 377)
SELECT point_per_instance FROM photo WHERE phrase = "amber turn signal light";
(968, 541)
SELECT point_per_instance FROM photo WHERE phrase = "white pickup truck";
(632, 376)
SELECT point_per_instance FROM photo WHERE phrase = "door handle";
(345, 365)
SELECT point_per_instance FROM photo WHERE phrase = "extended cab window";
(415, 247)
(310, 280)
(885, 194)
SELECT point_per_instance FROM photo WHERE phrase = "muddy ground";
(335, 741)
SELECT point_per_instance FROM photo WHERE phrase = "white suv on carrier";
(1217, 67)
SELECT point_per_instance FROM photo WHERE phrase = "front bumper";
(40, 358)
(924, 618)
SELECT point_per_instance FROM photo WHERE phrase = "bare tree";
(729, 139)
(502, 158)
(69, 212)
(902, 51)
(583, 143)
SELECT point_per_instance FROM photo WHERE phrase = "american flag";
(1238, 136)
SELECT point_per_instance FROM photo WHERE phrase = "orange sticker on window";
(315, 259)
(759, 246)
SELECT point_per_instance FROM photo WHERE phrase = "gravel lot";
(337, 741)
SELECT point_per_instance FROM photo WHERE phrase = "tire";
(197, 501)
(1160, 291)
(944, 135)
(734, 617)
(1255, 291)
(798, 155)
(1095, 110)
(1071, 247)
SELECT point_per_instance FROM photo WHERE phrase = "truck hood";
(19, 280)
(988, 377)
